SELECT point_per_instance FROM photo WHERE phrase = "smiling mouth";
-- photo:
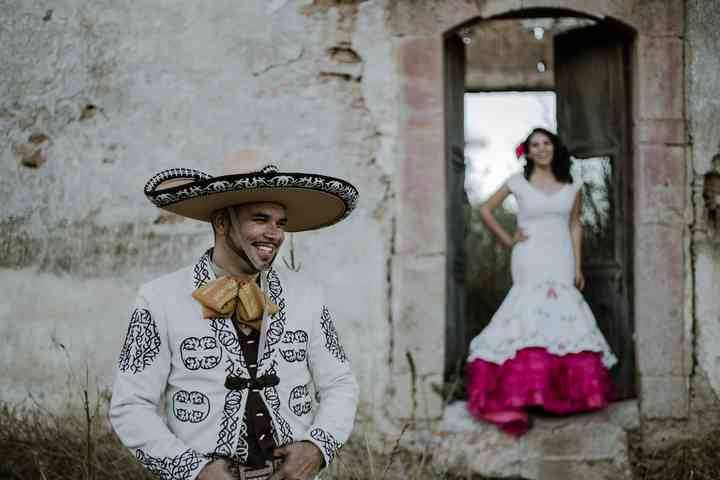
(265, 250)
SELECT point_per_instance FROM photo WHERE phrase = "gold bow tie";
(227, 295)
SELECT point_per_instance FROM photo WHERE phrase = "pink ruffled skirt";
(571, 383)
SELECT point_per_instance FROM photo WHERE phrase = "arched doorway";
(588, 70)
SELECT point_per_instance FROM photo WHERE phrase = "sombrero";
(311, 200)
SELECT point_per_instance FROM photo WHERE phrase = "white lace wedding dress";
(543, 308)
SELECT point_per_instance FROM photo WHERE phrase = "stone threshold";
(590, 446)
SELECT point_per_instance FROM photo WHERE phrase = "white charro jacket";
(170, 405)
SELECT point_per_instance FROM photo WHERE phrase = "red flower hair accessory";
(520, 150)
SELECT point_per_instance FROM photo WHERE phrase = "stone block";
(659, 300)
(660, 184)
(707, 313)
(661, 75)
(421, 58)
(418, 326)
(660, 234)
(664, 397)
(668, 132)
(563, 470)
(572, 443)
(596, 8)
(429, 18)
(553, 446)
(421, 218)
(490, 8)
(624, 414)
(418, 310)
(659, 17)
(421, 175)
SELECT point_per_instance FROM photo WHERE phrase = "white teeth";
(265, 249)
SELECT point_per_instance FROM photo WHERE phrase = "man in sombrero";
(231, 368)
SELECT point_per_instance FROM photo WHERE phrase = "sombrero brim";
(311, 201)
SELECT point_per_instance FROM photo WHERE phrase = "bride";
(542, 348)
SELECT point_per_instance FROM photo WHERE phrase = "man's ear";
(220, 222)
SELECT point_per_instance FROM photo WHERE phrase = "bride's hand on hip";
(519, 236)
(579, 280)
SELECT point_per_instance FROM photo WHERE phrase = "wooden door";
(593, 109)
(456, 341)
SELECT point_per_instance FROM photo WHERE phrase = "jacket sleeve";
(140, 382)
(335, 384)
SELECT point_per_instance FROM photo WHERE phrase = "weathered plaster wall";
(123, 90)
(703, 105)
(97, 96)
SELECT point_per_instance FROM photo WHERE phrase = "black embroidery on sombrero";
(190, 407)
(200, 353)
(332, 340)
(294, 346)
(329, 445)
(285, 435)
(201, 271)
(276, 328)
(247, 182)
(299, 401)
(142, 342)
(180, 467)
(229, 423)
(173, 173)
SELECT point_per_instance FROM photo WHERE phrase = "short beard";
(241, 249)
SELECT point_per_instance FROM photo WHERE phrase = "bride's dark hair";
(560, 165)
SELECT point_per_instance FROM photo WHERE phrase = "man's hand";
(216, 470)
(302, 461)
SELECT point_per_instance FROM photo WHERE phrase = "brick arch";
(663, 348)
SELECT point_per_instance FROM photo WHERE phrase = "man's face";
(258, 229)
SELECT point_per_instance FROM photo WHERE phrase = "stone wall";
(703, 107)
(98, 96)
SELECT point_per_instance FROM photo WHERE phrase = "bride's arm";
(576, 235)
(486, 213)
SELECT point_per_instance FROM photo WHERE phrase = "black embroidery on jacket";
(142, 342)
(229, 424)
(180, 467)
(190, 407)
(242, 451)
(295, 336)
(276, 328)
(200, 353)
(299, 401)
(332, 340)
(201, 271)
(294, 346)
(330, 446)
(236, 366)
(226, 334)
(285, 435)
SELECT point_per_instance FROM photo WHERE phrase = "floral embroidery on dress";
(545, 305)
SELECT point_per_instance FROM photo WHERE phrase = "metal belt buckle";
(256, 474)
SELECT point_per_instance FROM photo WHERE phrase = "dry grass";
(36, 444)
(693, 459)
(40, 445)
